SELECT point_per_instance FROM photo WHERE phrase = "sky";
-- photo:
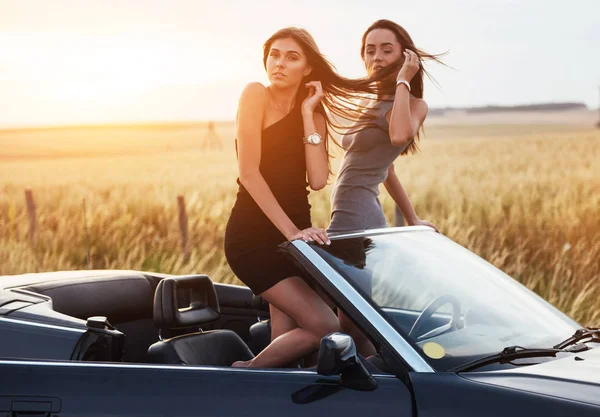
(102, 61)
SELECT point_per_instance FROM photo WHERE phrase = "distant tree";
(524, 108)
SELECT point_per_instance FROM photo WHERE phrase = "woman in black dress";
(282, 142)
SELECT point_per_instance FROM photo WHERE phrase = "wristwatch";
(312, 139)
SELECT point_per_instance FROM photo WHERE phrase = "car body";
(454, 335)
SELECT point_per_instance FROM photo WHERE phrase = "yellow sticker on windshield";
(434, 350)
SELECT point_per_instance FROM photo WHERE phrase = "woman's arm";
(408, 114)
(251, 113)
(396, 190)
(249, 129)
(406, 117)
(317, 166)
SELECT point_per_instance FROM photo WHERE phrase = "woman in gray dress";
(370, 153)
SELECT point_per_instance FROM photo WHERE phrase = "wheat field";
(526, 198)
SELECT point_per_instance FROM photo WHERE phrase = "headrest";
(185, 301)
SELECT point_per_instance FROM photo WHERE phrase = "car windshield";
(451, 305)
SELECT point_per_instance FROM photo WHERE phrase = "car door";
(100, 389)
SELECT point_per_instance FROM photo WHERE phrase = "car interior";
(158, 319)
(179, 319)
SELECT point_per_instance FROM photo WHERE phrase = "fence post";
(12, 223)
(31, 213)
(183, 228)
(87, 238)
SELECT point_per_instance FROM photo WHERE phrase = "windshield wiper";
(508, 354)
(592, 333)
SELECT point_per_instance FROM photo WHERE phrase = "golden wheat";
(525, 199)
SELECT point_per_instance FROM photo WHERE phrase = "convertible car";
(454, 337)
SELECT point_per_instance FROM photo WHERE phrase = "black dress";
(251, 239)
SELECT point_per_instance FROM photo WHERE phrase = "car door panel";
(95, 389)
(449, 394)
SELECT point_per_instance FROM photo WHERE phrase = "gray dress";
(369, 153)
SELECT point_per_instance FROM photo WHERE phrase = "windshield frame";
(327, 276)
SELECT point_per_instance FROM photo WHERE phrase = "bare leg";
(363, 344)
(280, 322)
(315, 320)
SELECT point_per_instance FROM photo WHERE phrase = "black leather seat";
(191, 301)
(260, 332)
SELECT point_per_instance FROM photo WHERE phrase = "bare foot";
(241, 364)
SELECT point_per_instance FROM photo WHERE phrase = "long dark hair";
(406, 42)
(340, 95)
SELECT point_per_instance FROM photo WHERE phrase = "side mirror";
(337, 356)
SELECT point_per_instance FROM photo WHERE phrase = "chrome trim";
(169, 367)
(402, 347)
(382, 231)
(145, 366)
(44, 325)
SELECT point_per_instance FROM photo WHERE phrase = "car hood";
(576, 377)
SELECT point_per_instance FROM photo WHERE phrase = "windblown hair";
(341, 96)
(406, 42)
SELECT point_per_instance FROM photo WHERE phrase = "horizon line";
(8, 128)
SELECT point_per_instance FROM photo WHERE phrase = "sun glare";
(79, 77)
(132, 67)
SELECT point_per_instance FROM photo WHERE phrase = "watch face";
(314, 138)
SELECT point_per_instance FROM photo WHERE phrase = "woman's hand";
(312, 234)
(315, 94)
(419, 222)
(410, 67)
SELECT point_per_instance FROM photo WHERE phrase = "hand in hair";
(315, 94)
(410, 67)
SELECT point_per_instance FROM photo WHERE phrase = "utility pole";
(212, 140)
